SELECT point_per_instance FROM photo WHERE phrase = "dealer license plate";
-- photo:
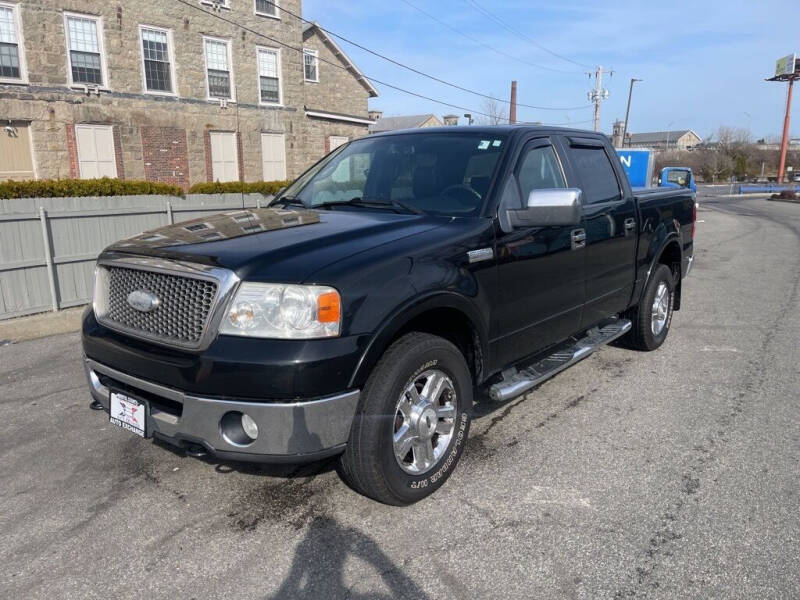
(128, 413)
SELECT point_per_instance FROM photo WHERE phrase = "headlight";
(269, 310)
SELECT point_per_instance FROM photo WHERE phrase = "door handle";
(630, 225)
(578, 237)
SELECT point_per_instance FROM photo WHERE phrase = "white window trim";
(100, 42)
(277, 52)
(277, 14)
(229, 44)
(314, 53)
(16, 12)
(172, 66)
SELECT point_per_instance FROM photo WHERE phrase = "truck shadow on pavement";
(319, 566)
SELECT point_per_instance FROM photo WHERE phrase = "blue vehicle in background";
(680, 177)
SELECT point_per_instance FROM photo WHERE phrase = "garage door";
(273, 156)
(96, 157)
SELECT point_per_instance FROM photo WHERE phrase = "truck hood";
(271, 244)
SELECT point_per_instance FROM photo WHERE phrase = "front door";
(540, 274)
(610, 220)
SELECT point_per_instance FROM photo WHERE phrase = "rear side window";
(598, 180)
(539, 170)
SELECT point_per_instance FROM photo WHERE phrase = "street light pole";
(628, 110)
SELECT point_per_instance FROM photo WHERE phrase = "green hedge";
(237, 187)
(73, 188)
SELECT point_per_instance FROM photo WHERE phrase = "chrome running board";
(516, 382)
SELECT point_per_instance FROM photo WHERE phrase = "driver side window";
(539, 169)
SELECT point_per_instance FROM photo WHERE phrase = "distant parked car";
(796, 178)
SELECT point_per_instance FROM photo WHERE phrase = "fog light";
(249, 426)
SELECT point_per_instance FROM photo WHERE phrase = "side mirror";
(549, 208)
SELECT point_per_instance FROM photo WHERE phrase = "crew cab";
(355, 315)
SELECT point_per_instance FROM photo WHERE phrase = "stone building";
(405, 122)
(179, 91)
(682, 139)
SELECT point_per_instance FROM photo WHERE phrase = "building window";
(96, 156)
(157, 60)
(269, 84)
(12, 49)
(273, 156)
(334, 141)
(218, 68)
(224, 156)
(85, 46)
(267, 8)
(310, 65)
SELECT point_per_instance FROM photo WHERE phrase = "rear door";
(540, 271)
(609, 213)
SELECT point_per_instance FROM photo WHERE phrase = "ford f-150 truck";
(357, 313)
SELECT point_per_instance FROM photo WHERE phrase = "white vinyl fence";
(48, 245)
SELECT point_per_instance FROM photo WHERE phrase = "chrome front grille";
(181, 317)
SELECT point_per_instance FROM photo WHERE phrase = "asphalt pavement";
(672, 474)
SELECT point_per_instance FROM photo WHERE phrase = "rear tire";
(412, 421)
(652, 318)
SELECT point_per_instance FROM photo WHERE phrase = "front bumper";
(287, 432)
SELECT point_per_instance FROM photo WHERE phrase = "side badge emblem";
(480, 255)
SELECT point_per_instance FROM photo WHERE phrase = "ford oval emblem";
(143, 301)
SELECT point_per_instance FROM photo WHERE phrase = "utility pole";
(786, 69)
(598, 94)
(512, 111)
(628, 110)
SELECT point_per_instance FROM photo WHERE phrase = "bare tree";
(495, 113)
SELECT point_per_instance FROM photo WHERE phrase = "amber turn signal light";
(329, 308)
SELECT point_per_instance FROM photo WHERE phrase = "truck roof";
(493, 130)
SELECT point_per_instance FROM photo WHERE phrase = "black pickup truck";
(359, 312)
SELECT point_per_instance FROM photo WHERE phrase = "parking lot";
(661, 475)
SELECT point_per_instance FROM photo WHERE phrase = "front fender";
(407, 311)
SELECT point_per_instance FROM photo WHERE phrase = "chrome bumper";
(287, 432)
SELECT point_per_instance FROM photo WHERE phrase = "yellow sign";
(785, 65)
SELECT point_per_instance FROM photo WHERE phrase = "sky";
(703, 62)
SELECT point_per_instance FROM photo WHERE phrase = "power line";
(484, 44)
(523, 36)
(422, 73)
(333, 64)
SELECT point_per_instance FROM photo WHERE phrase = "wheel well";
(454, 326)
(671, 256)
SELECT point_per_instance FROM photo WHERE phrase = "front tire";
(651, 320)
(412, 421)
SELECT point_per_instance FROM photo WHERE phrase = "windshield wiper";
(358, 201)
(286, 200)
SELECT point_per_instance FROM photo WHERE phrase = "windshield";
(438, 173)
(679, 177)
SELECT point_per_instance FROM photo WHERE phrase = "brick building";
(174, 91)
